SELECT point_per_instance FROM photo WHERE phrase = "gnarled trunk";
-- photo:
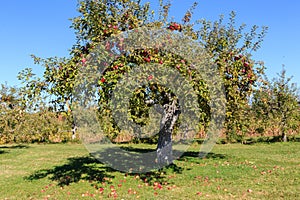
(164, 146)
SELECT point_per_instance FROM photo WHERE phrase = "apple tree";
(9, 113)
(101, 20)
(277, 102)
(27, 122)
(98, 21)
(122, 16)
(231, 49)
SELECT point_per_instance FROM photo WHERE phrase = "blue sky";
(41, 27)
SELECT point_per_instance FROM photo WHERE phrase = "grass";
(231, 171)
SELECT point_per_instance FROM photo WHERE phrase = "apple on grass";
(148, 59)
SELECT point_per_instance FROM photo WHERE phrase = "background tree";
(278, 101)
(9, 113)
(25, 116)
(231, 48)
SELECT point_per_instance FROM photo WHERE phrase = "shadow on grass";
(162, 174)
(3, 149)
(202, 155)
(77, 169)
(186, 154)
(136, 149)
(269, 139)
(18, 146)
(2, 152)
(91, 169)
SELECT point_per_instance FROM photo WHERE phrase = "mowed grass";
(232, 171)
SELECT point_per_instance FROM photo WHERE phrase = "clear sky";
(41, 27)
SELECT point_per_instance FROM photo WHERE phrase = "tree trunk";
(283, 129)
(164, 146)
(284, 137)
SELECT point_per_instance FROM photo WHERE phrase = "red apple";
(177, 27)
(236, 58)
(150, 78)
(246, 64)
(107, 46)
(147, 59)
(171, 27)
(199, 193)
(159, 186)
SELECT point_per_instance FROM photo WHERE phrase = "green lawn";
(232, 171)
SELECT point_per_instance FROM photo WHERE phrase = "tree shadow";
(77, 169)
(183, 154)
(127, 159)
(91, 168)
(2, 152)
(6, 148)
(135, 157)
(137, 150)
(18, 146)
(202, 155)
(136, 162)
(161, 175)
(269, 139)
(295, 139)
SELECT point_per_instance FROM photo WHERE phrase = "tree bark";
(284, 124)
(164, 146)
(284, 137)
